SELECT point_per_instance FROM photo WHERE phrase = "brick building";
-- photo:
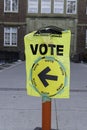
(60, 13)
(18, 17)
(12, 29)
(66, 14)
(81, 48)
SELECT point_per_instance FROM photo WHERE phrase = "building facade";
(19, 17)
(60, 13)
(12, 29)
(81, 48)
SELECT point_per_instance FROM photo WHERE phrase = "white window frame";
(46, 6)
(59, 6)
(71, 7)
(9, 38)
(86, 39)
(11, 6)
(32, 6)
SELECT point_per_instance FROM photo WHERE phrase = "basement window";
(10, 36)
(86, 40)
(10, 5)
(86, 10)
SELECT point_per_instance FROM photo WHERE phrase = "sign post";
(47, 67)
(46, 115)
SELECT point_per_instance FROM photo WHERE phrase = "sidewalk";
(21, 112)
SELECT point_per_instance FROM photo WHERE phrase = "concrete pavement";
(21, 112)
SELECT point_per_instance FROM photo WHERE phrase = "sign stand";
(47, 65)
(46, 114)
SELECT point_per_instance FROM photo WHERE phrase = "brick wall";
(80, 39)
(13, 17)
(82, 16)
(81, 30)
(13, 20)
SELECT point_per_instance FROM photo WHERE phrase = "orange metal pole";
(46, 115)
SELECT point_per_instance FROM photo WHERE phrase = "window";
(71, 7)
(86, 10)
(10, 36)
(10, 5)
(86, 39)
(32, 6)
(45, 6)
(58, 6)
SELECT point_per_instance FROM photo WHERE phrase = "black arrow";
(43, 76)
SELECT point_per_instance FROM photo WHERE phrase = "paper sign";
(48, 65)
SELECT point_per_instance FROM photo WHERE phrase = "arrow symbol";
(43, 76)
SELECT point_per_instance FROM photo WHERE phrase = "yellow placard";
(48, 65)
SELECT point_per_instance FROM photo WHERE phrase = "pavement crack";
(77, 90)
(12, 89)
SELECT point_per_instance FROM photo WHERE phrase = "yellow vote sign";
(47, 65)
(47, 80)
